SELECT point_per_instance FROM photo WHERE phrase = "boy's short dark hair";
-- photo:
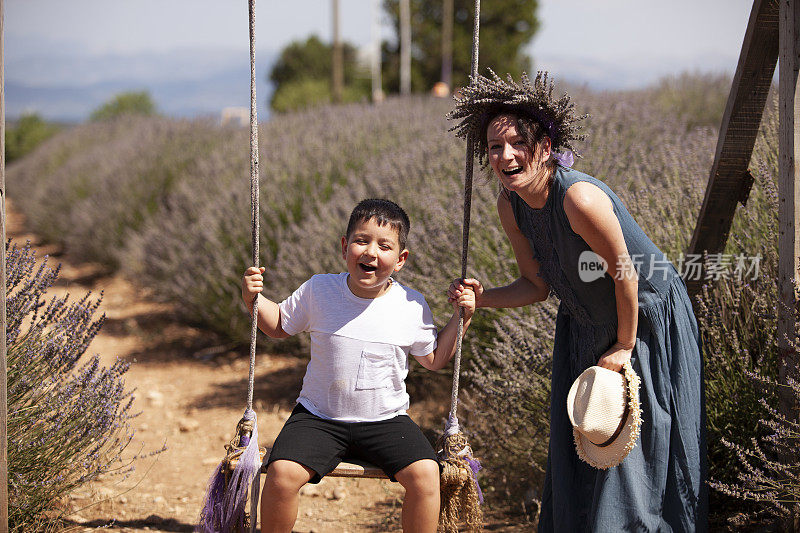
(384, 212)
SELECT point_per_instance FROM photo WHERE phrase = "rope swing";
(237, 474)
(236, 477)
(461, 495)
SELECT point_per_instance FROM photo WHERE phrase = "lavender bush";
(769, 473)
(766, 466)
(754, 453)
(120, 169)
(67, 416)
(697, 100)
(509, 396)
(738, 318)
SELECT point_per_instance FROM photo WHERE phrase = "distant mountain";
(68, 86)
(184, 83)
(630, 74)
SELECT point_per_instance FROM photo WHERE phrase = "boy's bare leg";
(281, 495)
(421, 502)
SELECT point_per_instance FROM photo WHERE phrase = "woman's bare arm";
(529, 287)
(591, 215)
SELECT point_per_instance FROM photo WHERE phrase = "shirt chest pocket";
(376, 370)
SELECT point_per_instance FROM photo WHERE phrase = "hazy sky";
(133, 26)
(641, 40)
(611, 30)
(605, 43)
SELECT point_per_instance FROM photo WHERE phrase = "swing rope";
(254, 188)
(461, 494)
(236, 477)
(452, 419)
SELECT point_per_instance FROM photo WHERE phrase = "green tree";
(302, 75)
(128, 103)
(26, 134)
(507, 26)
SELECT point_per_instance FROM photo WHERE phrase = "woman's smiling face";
(513, 161)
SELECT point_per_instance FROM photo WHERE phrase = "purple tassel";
(225, 507)
(212, 507)
(475, 466)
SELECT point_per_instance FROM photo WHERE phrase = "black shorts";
(321, 444)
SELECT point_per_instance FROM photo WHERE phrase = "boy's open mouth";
(512, 171)
(367, 268)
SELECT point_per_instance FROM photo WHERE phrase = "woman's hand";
(252, 284)
(460, 287)
(615, 357)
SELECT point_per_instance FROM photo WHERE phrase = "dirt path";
(190, 399)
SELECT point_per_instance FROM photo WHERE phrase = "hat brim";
(612, 455)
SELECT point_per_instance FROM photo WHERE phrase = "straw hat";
(603, 407)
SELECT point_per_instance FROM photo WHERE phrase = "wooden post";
(789, 203)
(447, 43)
(729, 181)
(377, 84)
(405, 47)
(337, 61)
(3, 347)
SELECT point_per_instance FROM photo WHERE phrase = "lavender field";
(167, 202)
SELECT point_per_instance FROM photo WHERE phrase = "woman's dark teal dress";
(661, 485)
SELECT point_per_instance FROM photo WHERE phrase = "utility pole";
(447, 44)
(377, 84)
(338, 60)
(405, 47)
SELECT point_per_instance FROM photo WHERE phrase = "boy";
(363, 325)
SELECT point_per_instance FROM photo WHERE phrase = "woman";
(560, 222)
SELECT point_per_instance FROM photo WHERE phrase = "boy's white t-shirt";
(359, 347)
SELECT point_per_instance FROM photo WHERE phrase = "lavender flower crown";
(485, 98)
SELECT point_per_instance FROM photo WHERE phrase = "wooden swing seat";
(354, 468)
(351, 467)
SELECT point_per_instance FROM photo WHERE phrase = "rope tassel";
(460, 491)
(225, 509)
(212, 512)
